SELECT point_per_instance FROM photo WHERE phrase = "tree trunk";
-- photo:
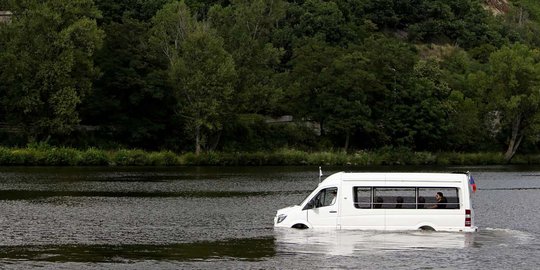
(215, 141)
(515, 139)
(347, 139)
(197, 140)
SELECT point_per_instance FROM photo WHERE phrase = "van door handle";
(333, 212)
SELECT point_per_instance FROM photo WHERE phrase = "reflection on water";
(503, 237)
(242, 249)
(347, 242)
(40, 194)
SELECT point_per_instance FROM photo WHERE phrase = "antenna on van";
(320, 173)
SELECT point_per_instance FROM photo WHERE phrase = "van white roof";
(370, 176)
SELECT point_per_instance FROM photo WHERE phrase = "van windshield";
(305, 199)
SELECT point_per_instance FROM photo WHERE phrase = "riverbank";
(60, 156)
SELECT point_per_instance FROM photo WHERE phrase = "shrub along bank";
(60, 156)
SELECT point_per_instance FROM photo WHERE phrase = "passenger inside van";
(379, 203)
(399, 202)
(421, 202)
(441, 201)
(334, 196)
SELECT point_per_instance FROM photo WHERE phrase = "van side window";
(362, 197)
(395, 197)
(325, 197)
(426, 197)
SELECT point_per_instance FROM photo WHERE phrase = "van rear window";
(427, 198)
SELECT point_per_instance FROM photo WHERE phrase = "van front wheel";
(300, 226)
(427, 228)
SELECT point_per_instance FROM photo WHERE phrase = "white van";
(385, 201)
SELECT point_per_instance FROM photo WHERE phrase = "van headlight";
(281, 218)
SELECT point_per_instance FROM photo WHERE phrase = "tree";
(331, 85)
(392, 62)
(200, 8)
(512, 92)
(323, 20)
(201, 71)
(46, 65)
(517, 25)
(349, 85)
(465, 22)
(132, 101)
(246, 27)
(309, 85)
(466, 131)
(117, 11)
(425, 107)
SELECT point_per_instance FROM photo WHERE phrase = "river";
(221, 217)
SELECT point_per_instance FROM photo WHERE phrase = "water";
(207, 218)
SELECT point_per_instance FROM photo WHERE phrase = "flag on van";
(472, 183)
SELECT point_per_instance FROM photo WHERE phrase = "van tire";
(300, 226)
(427, 228)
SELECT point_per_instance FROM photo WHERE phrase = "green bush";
(25, 157)
(251, 159)
(394, 156)
(361, 159)
(164, 158)
(6, 156)
(210, 158)
(526, 159)
(329, 158)
(386, 156)
(453, 158)
(130, 158)
(288, 157)
(44, 155)
(94, 157)
(62, 157)
(188, 159)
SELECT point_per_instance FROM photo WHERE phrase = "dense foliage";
(424, 75)
(39, 154)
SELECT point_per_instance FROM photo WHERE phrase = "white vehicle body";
(385, 201)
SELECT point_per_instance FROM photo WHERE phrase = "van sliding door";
(365, 212)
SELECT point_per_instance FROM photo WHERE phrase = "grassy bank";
(54, 156)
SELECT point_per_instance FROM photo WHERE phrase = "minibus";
(385, 201)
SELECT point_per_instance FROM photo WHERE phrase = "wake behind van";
(385, 201)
